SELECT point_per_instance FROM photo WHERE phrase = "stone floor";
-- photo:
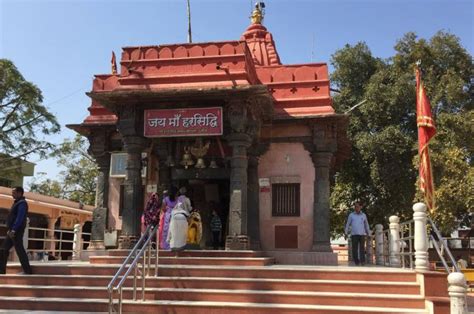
(470, 302)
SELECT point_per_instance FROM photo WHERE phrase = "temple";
(253, 138)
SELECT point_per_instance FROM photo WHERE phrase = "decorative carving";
(237, 116)
(325, 136)
(130, 120)
(259, 148)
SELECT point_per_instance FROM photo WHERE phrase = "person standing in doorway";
(169, 202)
(358, 227)
(178, 231)
(16, 224)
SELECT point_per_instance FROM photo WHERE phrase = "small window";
(286, 199)
(118, 164)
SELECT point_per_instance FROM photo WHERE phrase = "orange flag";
(114, 64)
(426, 130)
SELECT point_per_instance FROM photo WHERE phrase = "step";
(274, 271)
(197, 253)
(194, 307)
(389, 287)
(192, 260)
(223, 295)
(73, 292)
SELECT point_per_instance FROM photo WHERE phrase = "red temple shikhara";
(247, 135)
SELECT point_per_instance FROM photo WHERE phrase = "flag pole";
(190, 37)
(426, 131)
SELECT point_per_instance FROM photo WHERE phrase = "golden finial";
(258, 13)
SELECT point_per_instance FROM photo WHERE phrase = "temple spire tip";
(258, 13)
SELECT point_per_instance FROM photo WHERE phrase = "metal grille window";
(286, 199)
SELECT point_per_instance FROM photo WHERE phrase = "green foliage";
(382, 170)
(77, 182)
(23, 119)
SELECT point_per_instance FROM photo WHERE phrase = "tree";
(77, 180)
(382, 170)
(23, 119)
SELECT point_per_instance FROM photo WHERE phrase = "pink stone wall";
(291, 162)
(114, 202)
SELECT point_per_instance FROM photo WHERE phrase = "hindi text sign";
(183, 122)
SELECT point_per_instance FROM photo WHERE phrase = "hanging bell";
(187, 159)
(213, 164)
(200, 164)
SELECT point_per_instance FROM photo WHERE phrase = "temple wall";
(287, 162)
(114, 203)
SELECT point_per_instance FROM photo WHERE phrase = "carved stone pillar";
(100, 214)
(253, 194)
(133, 190)
(244, 117)
(99, 140)
(130, 126)
(238, 184)
(253, 203)
(321, 237)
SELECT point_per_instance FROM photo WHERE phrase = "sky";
(60, 44)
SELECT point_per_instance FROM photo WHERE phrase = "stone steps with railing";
(210, 288)
(213, 287)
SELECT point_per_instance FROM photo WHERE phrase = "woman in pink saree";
(169, 203)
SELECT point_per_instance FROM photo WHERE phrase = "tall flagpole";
(426, 130)
(190, 37)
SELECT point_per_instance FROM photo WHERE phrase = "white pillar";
(77, 242)
(51, 244)
(421, 239)
(394, 241)
(26, 234)
(379, 244)
(457, 293)
(369, 242)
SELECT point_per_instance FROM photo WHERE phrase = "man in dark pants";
(359, 228)
(16, 223)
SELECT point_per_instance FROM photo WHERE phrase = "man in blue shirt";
(16, 224)
(359, 228)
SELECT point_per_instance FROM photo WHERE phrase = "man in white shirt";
(358, 227)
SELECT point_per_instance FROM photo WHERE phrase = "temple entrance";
(207, 195)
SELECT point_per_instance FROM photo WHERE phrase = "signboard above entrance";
(183, 122)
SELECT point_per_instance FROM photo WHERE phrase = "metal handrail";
(140, 250)
(441, 247)
(407, 237)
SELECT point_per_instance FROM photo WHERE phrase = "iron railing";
(407, 243)
(441, 246)
(56, 246)
(141, 251)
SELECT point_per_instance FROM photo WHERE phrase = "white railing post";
(369, 247)
(77, 242)
(379, 244)
(394, 241)
(421, 239)
(457, 293)
(26, 234)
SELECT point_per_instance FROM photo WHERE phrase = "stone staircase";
(224, 282)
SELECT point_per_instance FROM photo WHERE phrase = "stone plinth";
(238, 242)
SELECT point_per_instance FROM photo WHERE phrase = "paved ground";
(470, 302)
